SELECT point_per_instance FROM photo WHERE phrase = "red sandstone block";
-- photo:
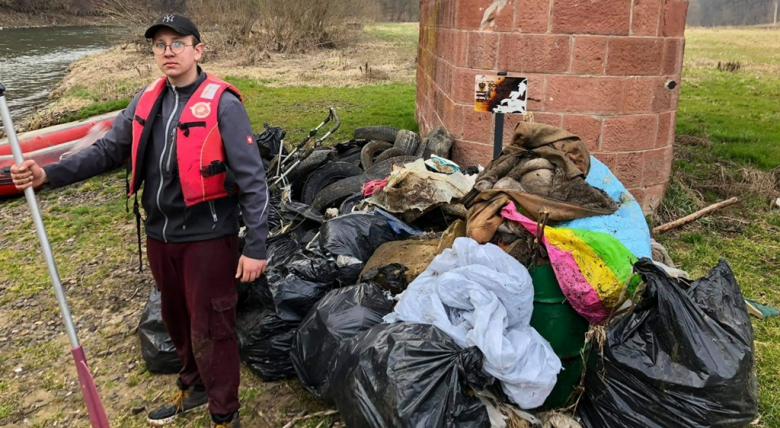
(629, 133)
(444, 13)
(608, 159)
(459, 47)
(532, 16)
(647, 15)
(483, 49)
(665, 99)
(673, 56)
(477, 126)
(444, 76)
(652, 198)
(466, 153)
(665, 131)
(588, 128)
(635, 56)
(534, 53)
(552, 119)
(639, 94)
(452, 116)
(657, 166)
(607, 17)
(582, 94)
(590, 55)
(638, 194)
(470, 14)
(628, 169)
(674, 14)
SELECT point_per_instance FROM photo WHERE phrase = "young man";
(188, 139)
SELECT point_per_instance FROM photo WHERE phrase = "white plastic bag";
(481, 296)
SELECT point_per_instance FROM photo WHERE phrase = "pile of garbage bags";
(404, 294)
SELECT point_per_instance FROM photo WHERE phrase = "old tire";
(381, 133)
(352, 156)
(439, 143)
(301, 172)
(333, 195)
(407, 141)
(350, 203)
(389, 154)
(371, 150)
(324, 176)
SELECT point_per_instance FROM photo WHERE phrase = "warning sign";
(500, 94)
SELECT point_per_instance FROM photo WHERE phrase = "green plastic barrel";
(556, 320)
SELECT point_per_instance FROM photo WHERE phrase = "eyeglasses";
(176, 47)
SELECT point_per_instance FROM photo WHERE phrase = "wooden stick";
(297, 419)
(695, 216)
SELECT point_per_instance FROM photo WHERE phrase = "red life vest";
(200, 151)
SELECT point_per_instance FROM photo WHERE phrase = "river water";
(33, 60)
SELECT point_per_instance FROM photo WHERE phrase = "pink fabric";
(581, 295)
(374, 186)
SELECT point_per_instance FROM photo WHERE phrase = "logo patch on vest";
(201, 110)
(210, 91)
(249, 140)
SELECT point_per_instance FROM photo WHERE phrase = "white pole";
(776, 12)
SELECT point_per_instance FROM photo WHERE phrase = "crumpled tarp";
(413, 190)
(592, 268)
(627, 224)
(542, 171)
(480, 296)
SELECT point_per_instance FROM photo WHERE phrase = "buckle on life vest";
(214, 168)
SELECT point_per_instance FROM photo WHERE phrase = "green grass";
(96, 109)
(405, 34)
(739, 112)
(299, 109)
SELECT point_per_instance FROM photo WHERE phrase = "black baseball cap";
(177, 23)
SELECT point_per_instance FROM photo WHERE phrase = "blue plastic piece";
(627, 224)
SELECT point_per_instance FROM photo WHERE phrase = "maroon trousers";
(198, 292)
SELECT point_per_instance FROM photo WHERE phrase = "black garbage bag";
(265, 335)
(683, 358)
(269, 142)
(157, 349)
(256, 295)
(352, 239)
(408, 375)
(340, 315)
(264, 342)
(300, 283)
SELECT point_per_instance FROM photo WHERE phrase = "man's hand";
(249, 269)
(28, 174)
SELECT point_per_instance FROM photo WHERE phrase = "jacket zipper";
(213, 214)
(165, 147)
(173, 147)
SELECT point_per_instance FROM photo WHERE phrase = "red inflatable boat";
(46, 146)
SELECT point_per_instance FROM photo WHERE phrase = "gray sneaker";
(185, 401)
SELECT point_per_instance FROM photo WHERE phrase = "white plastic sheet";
(481, 296)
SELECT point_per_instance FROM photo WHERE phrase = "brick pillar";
(599, 68)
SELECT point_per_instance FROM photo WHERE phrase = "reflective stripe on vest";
(199, 146)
